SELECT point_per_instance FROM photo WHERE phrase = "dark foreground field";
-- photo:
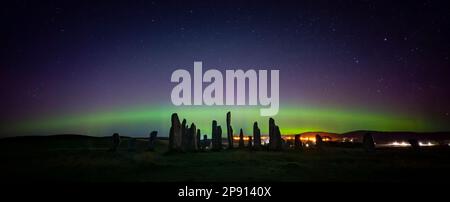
(86, 159)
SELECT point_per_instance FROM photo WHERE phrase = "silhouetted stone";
(205, 143)
(115, 142)
(250, 142)
(198, 140)
(279, 142)
(271, 129)
(414, 144)
(272, 141)
(184, 136)
(191, 142)
(219, 137)
(257, 135)
(368, 142)
(229, 131)
(131, 144)
(232, 136)
(216, 136)
(175, 136)
(241, 139)
(298, 143)
(152, 140)
(319, 142)
(275, 143)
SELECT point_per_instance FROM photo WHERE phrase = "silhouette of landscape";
(184, 156)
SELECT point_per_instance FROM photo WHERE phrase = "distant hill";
(322, 134)
(399, 135)
(48, 137)
(381, 136)
(62, 137)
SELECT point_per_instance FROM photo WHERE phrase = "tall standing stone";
(232, 137)
(241, 139)
(368, 142)
(271, 134)
(216, 136)
(414, 144)
(198, 140)
(205, 142)
(171, 139)
(184, 136)
(319, 141)
(298, 143)
(152, 140)
(257, 135)
(219, 137)
(274, 136)
(115, 142)
(279, 142)
(192, 138)
(229, 131)
(175, 138)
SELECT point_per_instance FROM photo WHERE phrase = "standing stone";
(115, 142)
(219, 137)
(271, 131)
(175, 137)
(368, 142)
(205, 142)
(152, 140)
(275, 143)
(414, 144)
(279, 141)
(232, 136)
(241, 139)
(298, 143)
(171, 139)
(257, 135)
(272, 141)
(319, 141)
(216, 136)
(250, 142)
(192, 138)
(198, 140)
(229, 131)
(184, 136)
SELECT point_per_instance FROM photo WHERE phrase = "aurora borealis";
(138, 120)
(96, 68)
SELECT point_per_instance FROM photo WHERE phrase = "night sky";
(98, 68)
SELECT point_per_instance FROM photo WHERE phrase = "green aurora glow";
(139, 121)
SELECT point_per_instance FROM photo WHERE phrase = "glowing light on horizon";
(426, 144)
(399, 144)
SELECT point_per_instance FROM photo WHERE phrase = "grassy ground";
(82, 159)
